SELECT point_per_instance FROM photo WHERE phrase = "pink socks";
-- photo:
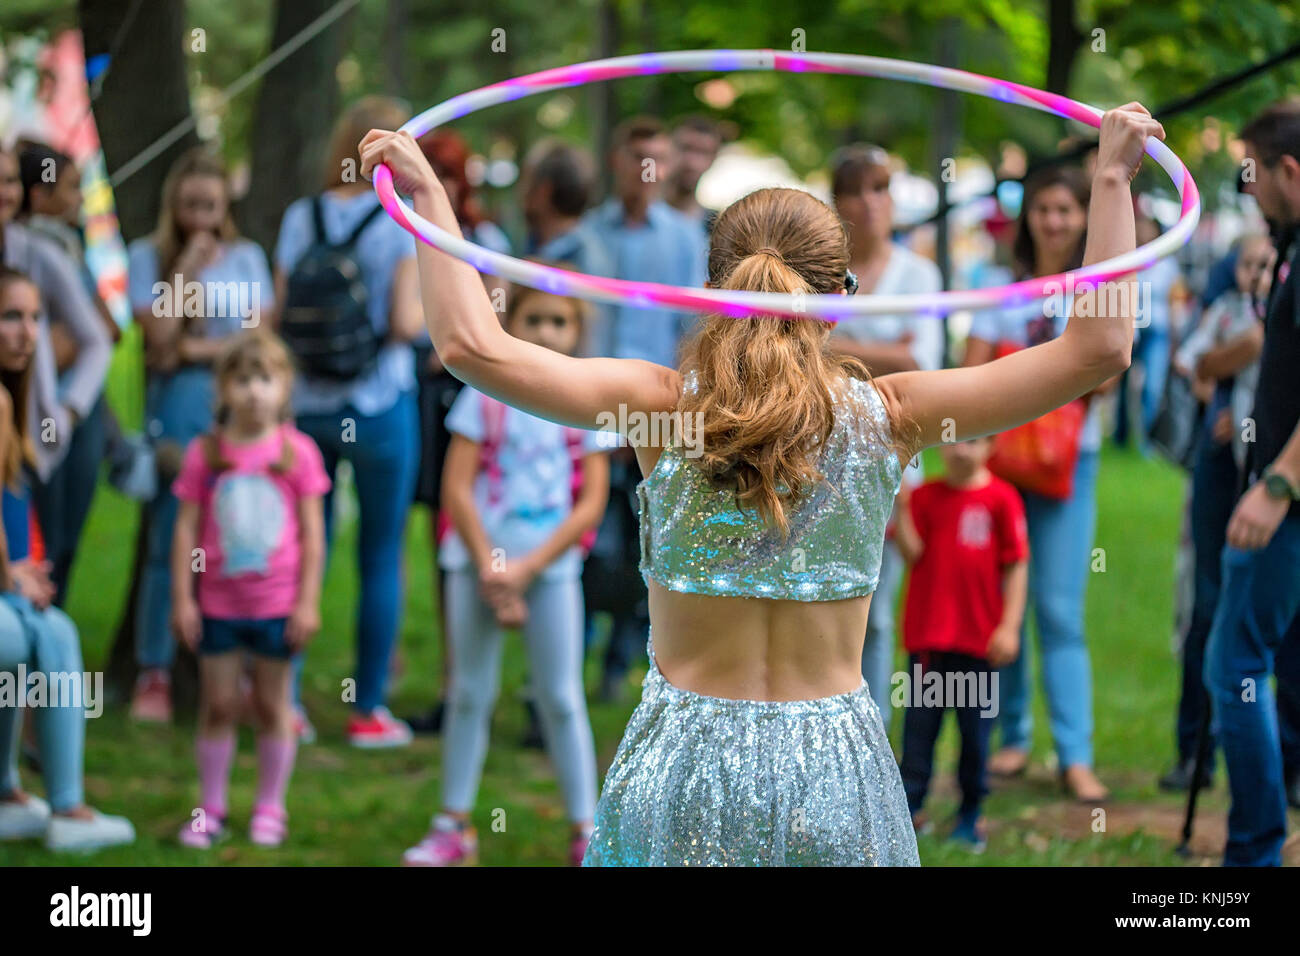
(275, 756)
(274, 766)
(214, 755)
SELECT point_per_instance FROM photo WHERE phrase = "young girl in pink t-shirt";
(250, 541)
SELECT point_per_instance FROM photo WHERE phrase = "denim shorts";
(264, 638)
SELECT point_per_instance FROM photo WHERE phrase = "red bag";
(1040, 455)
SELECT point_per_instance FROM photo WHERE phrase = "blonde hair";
(167, 238)
(764, 396)
(367, 113)
(263, 352)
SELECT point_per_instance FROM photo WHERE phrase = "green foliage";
(1156, 53)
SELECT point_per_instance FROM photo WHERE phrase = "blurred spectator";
(647, 240)
(193, 284)
(1252, 635)
(70, 365)
(448, 154)
(696, 141)
(1159, 285)
(51, 208)
(555, 190)
(1221, 357)
(1050, 239)
(37, 639)
(860, 177)
(964, 537)
(361, 411)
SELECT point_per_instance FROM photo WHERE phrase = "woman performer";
(756, 741)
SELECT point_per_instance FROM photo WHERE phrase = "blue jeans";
(878, 648)
(1060, 548)
(179, 408)
(384, 452)
(1258, 601)
(44, 641)
(63, 502)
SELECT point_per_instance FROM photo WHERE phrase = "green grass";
(355, 807)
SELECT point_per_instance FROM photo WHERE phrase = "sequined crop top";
(695, 539)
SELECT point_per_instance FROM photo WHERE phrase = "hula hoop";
(739, 304)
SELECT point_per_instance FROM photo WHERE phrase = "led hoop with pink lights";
(737, 303)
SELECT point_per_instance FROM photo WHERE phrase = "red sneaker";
(152, 701)
(377, 730)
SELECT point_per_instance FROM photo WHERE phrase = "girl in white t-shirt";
(521, 494)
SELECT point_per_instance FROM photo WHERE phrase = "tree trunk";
(144, 95)
(294, 114)
(396, 20)
(604, 107)
(1063, 43)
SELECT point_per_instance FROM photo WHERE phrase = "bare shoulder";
(895, 413)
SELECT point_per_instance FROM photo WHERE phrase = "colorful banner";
(46, 98)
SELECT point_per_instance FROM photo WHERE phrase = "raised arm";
(1095, 345)
(467, 333)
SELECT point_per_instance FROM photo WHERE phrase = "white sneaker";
(101, 830)
(24, 821)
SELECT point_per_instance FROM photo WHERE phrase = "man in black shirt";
(1260, 594)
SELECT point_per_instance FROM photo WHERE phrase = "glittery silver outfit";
(711, 781)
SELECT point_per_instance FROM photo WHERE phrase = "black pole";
(1202, 761)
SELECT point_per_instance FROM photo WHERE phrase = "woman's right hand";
(1124, 133)
(199, 252)
(399, 151)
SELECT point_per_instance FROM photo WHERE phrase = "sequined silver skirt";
(709, 781)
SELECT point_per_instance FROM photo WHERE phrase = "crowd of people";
(254, 400)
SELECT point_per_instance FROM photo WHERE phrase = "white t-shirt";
(534, 491)
(906, 273)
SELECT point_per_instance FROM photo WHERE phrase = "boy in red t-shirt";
(964, 537)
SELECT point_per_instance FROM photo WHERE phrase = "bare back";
(746, 647)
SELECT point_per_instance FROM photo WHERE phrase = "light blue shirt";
(1011, 324)
(240, 265)
(382, 247)
(535, 490)
(667, 248)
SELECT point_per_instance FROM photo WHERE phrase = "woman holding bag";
(1053, 461)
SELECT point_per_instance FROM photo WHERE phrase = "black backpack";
(325, 321)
